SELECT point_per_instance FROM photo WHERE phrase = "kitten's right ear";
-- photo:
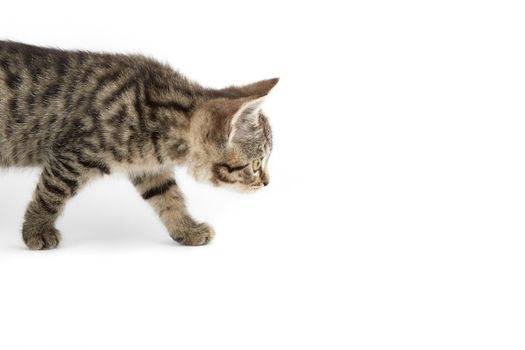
(233, 119)
(245, 119)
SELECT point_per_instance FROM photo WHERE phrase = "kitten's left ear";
(260, 88)
(246, 119)
(257, 89)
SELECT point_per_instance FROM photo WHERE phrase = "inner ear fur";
(227, 113)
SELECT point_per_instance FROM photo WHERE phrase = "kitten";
(79, 115)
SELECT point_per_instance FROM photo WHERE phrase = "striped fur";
(79, 115)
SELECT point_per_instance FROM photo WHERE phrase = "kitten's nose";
(266, 182)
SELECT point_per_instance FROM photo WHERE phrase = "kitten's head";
(232, 137)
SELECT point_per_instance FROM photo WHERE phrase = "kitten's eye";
(256, 165)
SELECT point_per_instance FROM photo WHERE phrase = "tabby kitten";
(79, 115)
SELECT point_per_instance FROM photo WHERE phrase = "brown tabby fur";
(79, 115)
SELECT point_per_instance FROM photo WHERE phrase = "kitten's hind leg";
(60, 180)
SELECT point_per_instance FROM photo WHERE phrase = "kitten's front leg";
(161, 191)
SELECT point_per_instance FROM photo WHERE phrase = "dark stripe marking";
(68, 167)
(231, 169)
(53, 189)
(155, 136)
(45, 205)
(137, 180)
(153, 103)
(12, 80)
(95, 165)
(158, 190)
(51, 91)
(124, 88)
(72, 184)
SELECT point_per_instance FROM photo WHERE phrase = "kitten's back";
(43, 89)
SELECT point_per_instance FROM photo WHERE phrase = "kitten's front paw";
(193, 234)
(39, 238)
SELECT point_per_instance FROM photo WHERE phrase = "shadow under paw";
(197, 234)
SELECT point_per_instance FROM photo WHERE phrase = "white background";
(394, 217)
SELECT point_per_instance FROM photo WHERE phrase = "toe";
(51, 240)
(35, 243)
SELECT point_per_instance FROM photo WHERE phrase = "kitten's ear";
(258, 89)
(246, 119)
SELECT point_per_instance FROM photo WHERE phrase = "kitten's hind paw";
(194, 234)
(41, 238)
